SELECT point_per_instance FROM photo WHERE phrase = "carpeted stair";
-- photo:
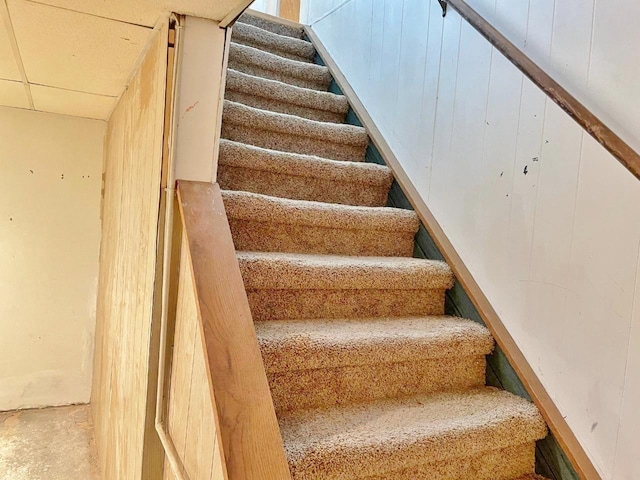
(283, 98)
(264, 223)
(301, 177)
(254, 61)
(369, 379)
(279, 131)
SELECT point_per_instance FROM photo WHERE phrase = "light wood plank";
(201, 426)
(290, 9)
(130, 206)
(183, 359)
(249, 432)
(190, 421)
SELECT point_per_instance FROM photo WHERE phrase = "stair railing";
(215, 412)
(576, 110)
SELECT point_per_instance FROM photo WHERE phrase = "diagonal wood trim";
(240, 392)
(576, 110)
(233, 15)
(527, 375)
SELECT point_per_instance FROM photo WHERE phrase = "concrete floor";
(48, 444)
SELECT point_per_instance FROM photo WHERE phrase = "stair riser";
(301, 389)
(292, 143)
(301, 188)
(268, 48)
(278, 75)
(283, 107)
(505, 464)
(278, 237)
(282, 304)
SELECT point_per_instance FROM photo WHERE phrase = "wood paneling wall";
(190, 420)
(130, 207)
(217, 406)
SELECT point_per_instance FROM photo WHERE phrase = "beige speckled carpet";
(369, 379)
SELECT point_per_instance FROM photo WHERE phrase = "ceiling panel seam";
(6, 18)
(72, 90)
(93, 14)
(141, 56)
(53, 87)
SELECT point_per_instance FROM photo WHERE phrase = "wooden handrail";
(576, 110)
(240, 393)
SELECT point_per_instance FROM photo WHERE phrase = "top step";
(272, 26)
(288, 47)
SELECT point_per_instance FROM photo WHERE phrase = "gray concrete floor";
(48, 444)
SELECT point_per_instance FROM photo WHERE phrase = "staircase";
(369, 379)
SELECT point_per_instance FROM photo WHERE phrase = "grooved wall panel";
(190, 421)
(544, 218)
(127, 262)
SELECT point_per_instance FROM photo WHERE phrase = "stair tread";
(276, 270)
(318, 343)
(306, 177)
(368, 439)
(287, 93)
(244, 155)
(264, 208)
(243, 54)
(262, 21)
(237, 113)
(275, 43)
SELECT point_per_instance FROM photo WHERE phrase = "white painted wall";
(556, 250)
(200, 96)
(51, 168)
(266, 6)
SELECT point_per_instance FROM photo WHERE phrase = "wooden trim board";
(530, 381)
(249, 430)
(290, 10)
(153, 450)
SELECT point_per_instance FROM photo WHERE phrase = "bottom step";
(478, 434)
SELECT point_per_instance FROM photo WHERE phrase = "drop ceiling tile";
(147, 12)
(75, 51)
(13, 94)
(139, 12)
(68, 102)
(8, 66)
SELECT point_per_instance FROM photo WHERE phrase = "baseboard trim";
(560, 456)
